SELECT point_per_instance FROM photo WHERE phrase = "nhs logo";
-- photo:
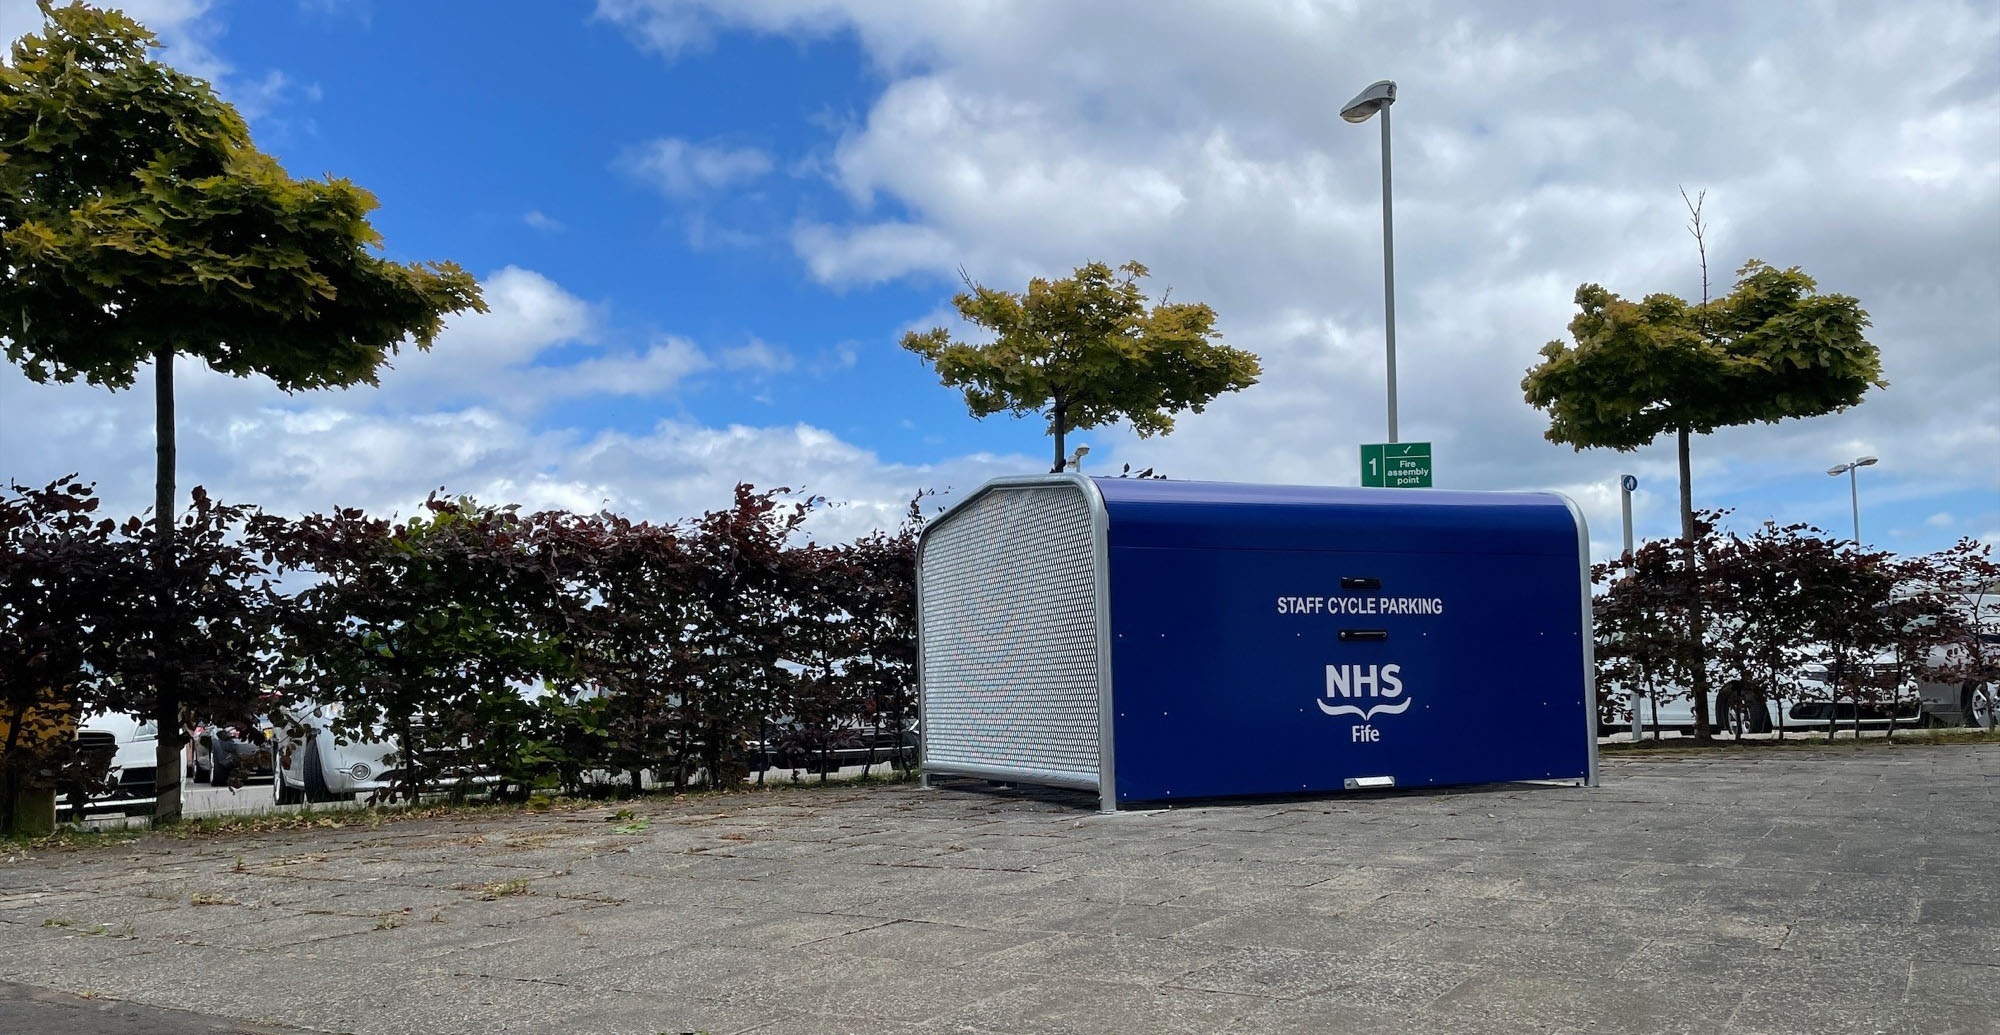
(1364, 691)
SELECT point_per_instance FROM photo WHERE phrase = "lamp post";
(1378, 97)
(1853, 493)
(1626, 484)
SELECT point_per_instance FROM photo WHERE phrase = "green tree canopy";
(136, 217)
(1086, 351)
(1771, 349)
(138, 222)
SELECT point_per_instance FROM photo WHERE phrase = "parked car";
(313, 765)
(1974, 701)
(1676, 713)
(810, 748)
(216, 749)
(133, 743)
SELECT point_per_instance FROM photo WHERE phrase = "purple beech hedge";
(549, 648)
(1779, 604)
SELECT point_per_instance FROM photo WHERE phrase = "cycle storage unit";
(1155, 641)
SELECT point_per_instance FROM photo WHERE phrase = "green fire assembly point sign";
(1396, 465)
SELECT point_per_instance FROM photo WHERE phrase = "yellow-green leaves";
(1086, 351)
(135, 212)
(1768, 350)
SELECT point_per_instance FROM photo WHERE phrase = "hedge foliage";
(541, 648)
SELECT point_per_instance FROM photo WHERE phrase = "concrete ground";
(1809, 891)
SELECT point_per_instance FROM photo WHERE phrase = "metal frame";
(1589, 638)
(1100, 531)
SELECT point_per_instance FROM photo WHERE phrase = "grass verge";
(1796, 740)
(72, 838)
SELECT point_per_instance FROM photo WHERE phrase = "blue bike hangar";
(1157, 641)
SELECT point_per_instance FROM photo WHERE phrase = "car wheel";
(282, 792)
(316, 790)
(1981, 706)
(315, 778)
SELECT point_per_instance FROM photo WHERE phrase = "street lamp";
(1853, 494)
(1378, 97)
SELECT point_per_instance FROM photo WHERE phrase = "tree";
(1770, 585)
(631, 644)
(882, 600)
(62, 582)
(138, 222)
(1085, 351)
(741, 627)
(1773, 348)
(218, 648)
(1846, 595)
(1635, 622)
(429, 630)
(1934, 619)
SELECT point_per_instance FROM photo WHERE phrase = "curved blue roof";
(1151, 513)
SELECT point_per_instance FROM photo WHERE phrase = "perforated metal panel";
(1010, 634)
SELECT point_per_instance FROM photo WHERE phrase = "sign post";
(1396, 465)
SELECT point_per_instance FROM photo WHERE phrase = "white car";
(1676, 712)
(315, 766)
(135, 744)
(1974, 702)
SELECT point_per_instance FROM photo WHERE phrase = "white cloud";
(870, 254)
(656, 370)
(461, 414)
(245, 441)
(680, 169)
(1536, 149)
(543, 221)
(757, 355)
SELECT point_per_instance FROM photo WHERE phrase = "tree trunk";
(1060, 415)
(10, 786)
(167, 700)
(1696, 646)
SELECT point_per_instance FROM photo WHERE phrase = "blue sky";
(536, 161)
(703, 227)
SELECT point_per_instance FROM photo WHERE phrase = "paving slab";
(1815, 890)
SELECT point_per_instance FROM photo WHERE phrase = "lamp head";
(1867, 461)
(1365, 104)
(1838, 469)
